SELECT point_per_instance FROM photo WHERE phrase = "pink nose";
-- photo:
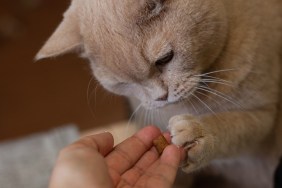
(163, 98)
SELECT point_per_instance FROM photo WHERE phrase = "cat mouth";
(160, 104)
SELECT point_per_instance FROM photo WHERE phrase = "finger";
(126, 154)
(103, 143)
(131, 176)
(167, 136)
(163, 171)
(170, 161)
(82, 164)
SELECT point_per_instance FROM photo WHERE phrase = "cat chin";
(158, 105)
(161, 104)
(154, 105)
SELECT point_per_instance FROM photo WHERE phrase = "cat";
(210, 69)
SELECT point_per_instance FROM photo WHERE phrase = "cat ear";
(66, 37)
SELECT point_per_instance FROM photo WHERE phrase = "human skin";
(94, 162)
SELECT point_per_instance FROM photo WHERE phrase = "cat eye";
(152, 6)
(160, 63)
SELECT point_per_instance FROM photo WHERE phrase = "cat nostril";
(163, 98)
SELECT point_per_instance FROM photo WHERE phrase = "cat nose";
(163, 98)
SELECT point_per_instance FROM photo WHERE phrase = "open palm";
(94, 162)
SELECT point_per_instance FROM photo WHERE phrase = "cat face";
(153, 50)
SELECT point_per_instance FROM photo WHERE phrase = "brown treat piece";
(160, 143)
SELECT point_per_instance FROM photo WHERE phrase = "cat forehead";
(112, 33)
(118, 11)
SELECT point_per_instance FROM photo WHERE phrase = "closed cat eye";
(160, 63)
(152, 6)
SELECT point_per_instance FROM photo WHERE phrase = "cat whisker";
(150, 116)
(211, 98)
(205, 81)
(183, 103)
(214, 92)
(94, 91)
(210, 108)
(218, 103)
(146, 117)
(133, 114)
(160, 119)
(218, 71)
(147, 113)
(193, 106)
(210, 79)
(89, 93)
(218, 94)
(165, 123)
(216, 78)
(138, 118)
(156, 116)
(150, 111)
(206, 105)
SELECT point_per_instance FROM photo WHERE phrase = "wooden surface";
(35, 97)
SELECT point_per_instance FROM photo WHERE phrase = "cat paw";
(188, 132)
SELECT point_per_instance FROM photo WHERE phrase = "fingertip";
(170, 161)
(110, 137)
(167, 136)
(151, 128)
(106, 136)
(172, 149)
(172, 155)
(103, 142)
(148, 133)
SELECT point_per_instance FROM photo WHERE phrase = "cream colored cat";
(210, 67)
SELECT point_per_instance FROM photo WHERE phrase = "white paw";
(189, 133)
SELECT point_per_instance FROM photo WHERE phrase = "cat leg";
(222, 135)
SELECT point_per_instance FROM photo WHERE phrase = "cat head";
(149, 49)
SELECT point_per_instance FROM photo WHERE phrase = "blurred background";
(35, 97)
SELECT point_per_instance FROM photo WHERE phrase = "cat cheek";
(173, 95)
(173, 98)
(132, 91)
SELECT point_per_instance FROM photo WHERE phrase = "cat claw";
(189, 145)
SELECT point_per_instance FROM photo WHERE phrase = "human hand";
(94, 162)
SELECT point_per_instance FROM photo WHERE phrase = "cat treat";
(160, 144)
